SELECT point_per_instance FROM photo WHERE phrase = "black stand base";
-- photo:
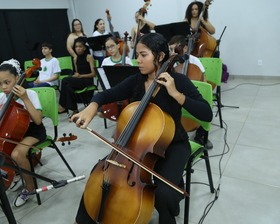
(3, 197)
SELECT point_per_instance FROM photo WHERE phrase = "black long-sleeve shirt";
(133, 87)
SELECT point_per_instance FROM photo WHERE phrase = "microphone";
(58, 184)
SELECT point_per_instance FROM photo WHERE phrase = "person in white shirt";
(50, 69)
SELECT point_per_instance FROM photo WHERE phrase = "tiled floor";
(250, 184)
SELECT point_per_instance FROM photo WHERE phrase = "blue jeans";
(44, 84)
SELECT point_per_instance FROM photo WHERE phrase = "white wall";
(251, 35)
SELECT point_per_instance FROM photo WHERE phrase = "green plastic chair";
(88, 88)
(197, 150)
(213, 72)
(47, 97)
(66, 66)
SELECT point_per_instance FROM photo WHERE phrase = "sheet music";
(104, 78)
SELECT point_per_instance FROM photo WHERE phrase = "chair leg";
(105, 123)
(34, 179)
(208, 168)
(63, 159)
(188, 189)
(219, 106)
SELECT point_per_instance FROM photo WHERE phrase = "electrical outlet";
(259, 62)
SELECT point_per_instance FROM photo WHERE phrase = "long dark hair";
(188, 14)
(95, 24)
(157, 44)
(73, 27)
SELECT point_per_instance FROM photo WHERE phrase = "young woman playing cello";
(176, 91)
(9, 74)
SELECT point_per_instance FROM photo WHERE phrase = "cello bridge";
(116, 163)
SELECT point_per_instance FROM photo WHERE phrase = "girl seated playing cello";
(9, 74)
(175, 91)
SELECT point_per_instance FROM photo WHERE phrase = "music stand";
(97, 43)
(110, 76)
(172, 29)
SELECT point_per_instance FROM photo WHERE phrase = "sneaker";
(16, 184)
(22, 198)
(200, 140)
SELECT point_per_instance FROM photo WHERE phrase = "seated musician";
(83, 77)
(192, 15)
(9, 74)
(50, 68)
(113, 47)
(175, 91)
(180, 40)
(143, 27)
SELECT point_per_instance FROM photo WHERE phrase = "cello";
(14, 122)
(193, 72)
(128, 168)
(113, 110)
(205, 43)
(121, 42)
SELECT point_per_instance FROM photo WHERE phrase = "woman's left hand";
(20, 92)
(167, 80)
(76, 75)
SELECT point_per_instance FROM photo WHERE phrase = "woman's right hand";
(83, 118)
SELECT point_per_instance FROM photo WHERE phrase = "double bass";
(121, 42)
(127, 171)
(142, 12)
(205, 44)
(14, 122)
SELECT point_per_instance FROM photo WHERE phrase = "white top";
(32, 95)
(197, 62)
(109, 61)
(49, 68)
(101, 53)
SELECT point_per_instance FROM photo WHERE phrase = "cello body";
(131, 195)
(13, 126)
(204, 45)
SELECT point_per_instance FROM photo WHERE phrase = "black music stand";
(110, 76)
(98, 43)
(172, 29)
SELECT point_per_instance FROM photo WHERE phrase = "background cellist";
(181, 40)
(177, 91)
(9, 74)
(192, 15)
(113, 47)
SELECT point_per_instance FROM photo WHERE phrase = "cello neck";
(124, 48)
(205, 6)
(10, 98)
(110, 24)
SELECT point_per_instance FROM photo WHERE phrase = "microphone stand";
(218, 56)
(3, 196)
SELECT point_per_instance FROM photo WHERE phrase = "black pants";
(67, 94)
(166, 198)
